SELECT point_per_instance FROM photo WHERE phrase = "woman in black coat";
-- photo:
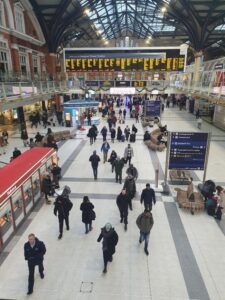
(119, 133)
(112, 159)
(110, 240)
(88, 214)
(46, 187)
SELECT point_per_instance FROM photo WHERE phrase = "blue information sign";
(91, 83)
(188, 150)
(152, 108)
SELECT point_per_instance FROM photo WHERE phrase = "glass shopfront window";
(6, 223)
(36, 185)
(28, 195)
(17, 203)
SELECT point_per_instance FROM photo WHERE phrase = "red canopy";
(21, 168)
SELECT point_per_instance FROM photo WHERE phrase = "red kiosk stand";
(20, 188)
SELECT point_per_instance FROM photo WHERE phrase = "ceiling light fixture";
(163, 9)
(87, 11)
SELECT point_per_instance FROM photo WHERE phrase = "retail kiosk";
(20, 188)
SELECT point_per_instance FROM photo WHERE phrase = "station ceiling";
(95, 23)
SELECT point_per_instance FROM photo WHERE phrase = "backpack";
(69, 204)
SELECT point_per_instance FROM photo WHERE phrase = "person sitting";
(16, 153)
(161, 140)
(147, 136)
(38, 137)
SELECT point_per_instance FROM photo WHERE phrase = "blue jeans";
(88, 226)
(144, 237)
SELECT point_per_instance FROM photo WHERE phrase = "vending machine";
(20, 188)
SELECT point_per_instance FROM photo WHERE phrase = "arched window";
(19, 18)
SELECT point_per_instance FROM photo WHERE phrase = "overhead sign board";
(188, 150)
(152, 108)
(122, 83)
(139, 83)
(135, 59)
(106, 83)
(91, 83)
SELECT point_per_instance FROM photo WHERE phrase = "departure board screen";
(123, 61)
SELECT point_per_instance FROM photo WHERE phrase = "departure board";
(188, 150)
(124, 64)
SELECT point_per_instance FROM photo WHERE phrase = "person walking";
(119, 134)
(124, 113)
(130, 187)
(88, 214)
(148, 197)
(136, 116)
(128, 154)
(122, 203)
(91, 134)
(199, 123)
(56, 174)
(34, 251)
(112, 159)
(119, 164)
(110, 240)
(24, 137)
(145, 223)
(89, 118)
(5, 136)
(94, 159)
(127, 132)
(131, 170)
(113, 134)
(63, 205)
(104, 133)
(46, 187)
(105, 148)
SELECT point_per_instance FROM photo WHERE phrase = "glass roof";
(114, 17)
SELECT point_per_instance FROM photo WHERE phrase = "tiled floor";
(186, 258)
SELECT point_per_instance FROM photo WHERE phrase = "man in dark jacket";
(122, 203)
(110, 240)
(16, 153)
(56, 174)
(62, 207)
(130, 187)
(34, 251)
(148, 196)
(94, 159)
(145, 222)
(118, 164)
(91, 134)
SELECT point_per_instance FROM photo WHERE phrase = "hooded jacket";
(145, 222)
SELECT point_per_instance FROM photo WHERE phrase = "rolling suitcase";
(132, 138)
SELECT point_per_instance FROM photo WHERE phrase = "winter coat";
(104, 131)
(113, 133)
(46, 185)
(127, 132)
(110, 240)
(118, 165)
(119, 134)
(122, 202)
(113, 157)
(145, 222)
(87, 212)
(130, 186)
(63, 205)
(148, 196)
(132, 171)
(94, 159)
(126, 152)
(35, 255)
(105, 147)
(91, 132)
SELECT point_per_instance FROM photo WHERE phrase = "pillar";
(51, 62)
(197, 66)
(15, 59)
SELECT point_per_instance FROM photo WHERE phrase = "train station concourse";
(112, 150)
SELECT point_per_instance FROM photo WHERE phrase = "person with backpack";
(110, 240)
(104, 133)
(88, 214)
(34, 251)
(145, 223)
(63, 205)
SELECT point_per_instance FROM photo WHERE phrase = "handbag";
(93, 215)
